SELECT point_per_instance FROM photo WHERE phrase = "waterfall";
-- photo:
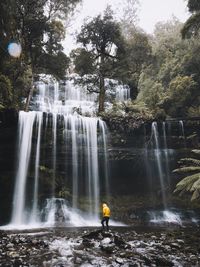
(34, 216)
(182, 132)
(85, 141)
(158, 155)
(166, 152)
(26, 121)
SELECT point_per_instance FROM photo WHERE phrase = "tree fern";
(191, 182)
(187, 169)
(189, 161)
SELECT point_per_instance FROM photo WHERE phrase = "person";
(106, 216)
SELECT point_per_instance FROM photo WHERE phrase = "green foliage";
(169, 85)
(191, 161)
(101, 33)
(84, 61)
(150, 92)
(38, 26)
(127, 116)
(135, 53)
(101, 38)
(187, 169)
(192, 25)
(45, 170)
(55, 65)
(64, 193)
(181, 93)
(193, 5)
(191, 182)
(5, 91)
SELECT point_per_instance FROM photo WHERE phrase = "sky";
(149, 13)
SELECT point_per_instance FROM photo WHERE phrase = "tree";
(129, 17)
(175, 68)
(180, 96)
(192, 25)
(101, 38)
(84, 61)
(135, 53)
(5, 92)
(38, 25)
(191, 182)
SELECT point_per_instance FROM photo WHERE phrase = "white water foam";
(165, 216)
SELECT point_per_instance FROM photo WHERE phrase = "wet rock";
(119, 260)
(88, 243)
(106, 241)
(119, 241)
(122, 247)
(193, 258)
(161, 261)
(107, 246)
(180, 241)
(175, 245)
(94, 235)
(10, 245)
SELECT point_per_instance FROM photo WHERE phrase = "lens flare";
(14, 49)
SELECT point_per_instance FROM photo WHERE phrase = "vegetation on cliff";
(161, 70)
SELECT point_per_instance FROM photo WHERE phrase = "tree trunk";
(101, 93)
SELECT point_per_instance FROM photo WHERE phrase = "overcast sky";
(149, 13)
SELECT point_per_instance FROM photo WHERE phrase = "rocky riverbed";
(85, 247)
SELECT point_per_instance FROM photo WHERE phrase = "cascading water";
(182, 132)
(161, 153)
(166, 152)
(85, 140)
(158, 160)
(26, 121)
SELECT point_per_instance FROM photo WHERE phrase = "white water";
(158, 155)
(165, 216)
(166, 153)
(85, 138)
(26, 121)
(37, 162)
(182, 131)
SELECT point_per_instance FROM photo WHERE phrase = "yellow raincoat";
(106, 211)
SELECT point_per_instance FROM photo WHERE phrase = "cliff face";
(8, 157)
(140, 156)
(133, 158)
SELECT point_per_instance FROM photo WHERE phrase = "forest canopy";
(162, 69)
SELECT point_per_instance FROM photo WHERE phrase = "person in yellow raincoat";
(106, 216)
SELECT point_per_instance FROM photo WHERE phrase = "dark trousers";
(106, 220)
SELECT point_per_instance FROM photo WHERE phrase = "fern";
(187, 182)
(189, 161)
(187, 169)
(196, 151)
(190, 183)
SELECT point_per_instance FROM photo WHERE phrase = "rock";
(161, 261)
(10, 245)
(94, 235)
(193, 258)
(175, 245)
(180, 241)
(119, 241)
(108, 248)
(88, 243)
(119, 260)
(106, 241)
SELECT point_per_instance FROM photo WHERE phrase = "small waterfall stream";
(160, 137)
(85, 139)
(158, 155)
